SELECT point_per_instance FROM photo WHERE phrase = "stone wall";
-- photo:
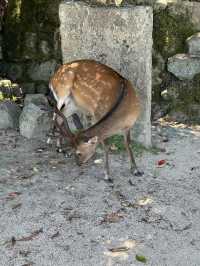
(178, 98)
(31, 49)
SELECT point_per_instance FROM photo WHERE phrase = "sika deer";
(110, 99)
(85, 85)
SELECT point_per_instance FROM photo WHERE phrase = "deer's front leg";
(127, 141)
(52, 130)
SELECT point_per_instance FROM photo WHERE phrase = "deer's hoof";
(137, 172)
(49, 141)
(67, 154)
(59, 150)
(108, 179)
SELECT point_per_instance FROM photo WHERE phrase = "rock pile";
(9, 113)
(33, 120)
(36, 118)
(186, 66)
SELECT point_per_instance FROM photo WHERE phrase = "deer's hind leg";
(107, 176)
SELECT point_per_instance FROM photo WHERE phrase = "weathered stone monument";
(119, 37)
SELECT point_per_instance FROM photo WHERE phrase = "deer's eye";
(78, 153)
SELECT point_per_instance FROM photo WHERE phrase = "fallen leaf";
(39, 150)
(119, 249)
(23, 177)
(124, 247)
(13, 241)
(55, 235)
(98, 161)
(130, 243)
(121, 254)
(31, 236)
(118, 2)
(35, 169)
(161, 163)
(24, 253)
(28, 264)
(113, 217)
(113, 147)
(16, 206)
(14, 194)
(141, 258)
(144, 201)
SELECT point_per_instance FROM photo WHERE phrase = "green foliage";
(117, 141)
(170, 32)
(141, 258)
(38, 16)
(184, 97)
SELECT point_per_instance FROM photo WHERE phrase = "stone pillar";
(119, 37)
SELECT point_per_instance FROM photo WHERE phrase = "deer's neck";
(103, 128)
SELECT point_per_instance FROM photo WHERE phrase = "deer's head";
(86, 149)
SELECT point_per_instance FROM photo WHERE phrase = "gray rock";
(37, 99)
(184, 66)
(15, 71)
(44, 48)
(9, 113)
(28, 87)
(178, 116)
(42, 71)
(30, 45)
(42, 88)
(157, 111)
(193, 44)
(119, 37)
(34, 122)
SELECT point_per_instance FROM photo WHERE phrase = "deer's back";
(95, 87)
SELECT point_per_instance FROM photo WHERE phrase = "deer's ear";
(93, 140)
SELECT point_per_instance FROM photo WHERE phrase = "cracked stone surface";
(53, 212)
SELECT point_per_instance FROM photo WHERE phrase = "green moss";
(36, 16)
(184, 97)
(170, 32)
(12, 34)
(118, 142)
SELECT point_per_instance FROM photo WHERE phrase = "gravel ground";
(53, 212)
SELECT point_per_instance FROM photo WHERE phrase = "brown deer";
(109, 98)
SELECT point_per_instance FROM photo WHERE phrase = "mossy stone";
(170, 32)
(38, 17)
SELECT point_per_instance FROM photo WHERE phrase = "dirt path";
(54, 213)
